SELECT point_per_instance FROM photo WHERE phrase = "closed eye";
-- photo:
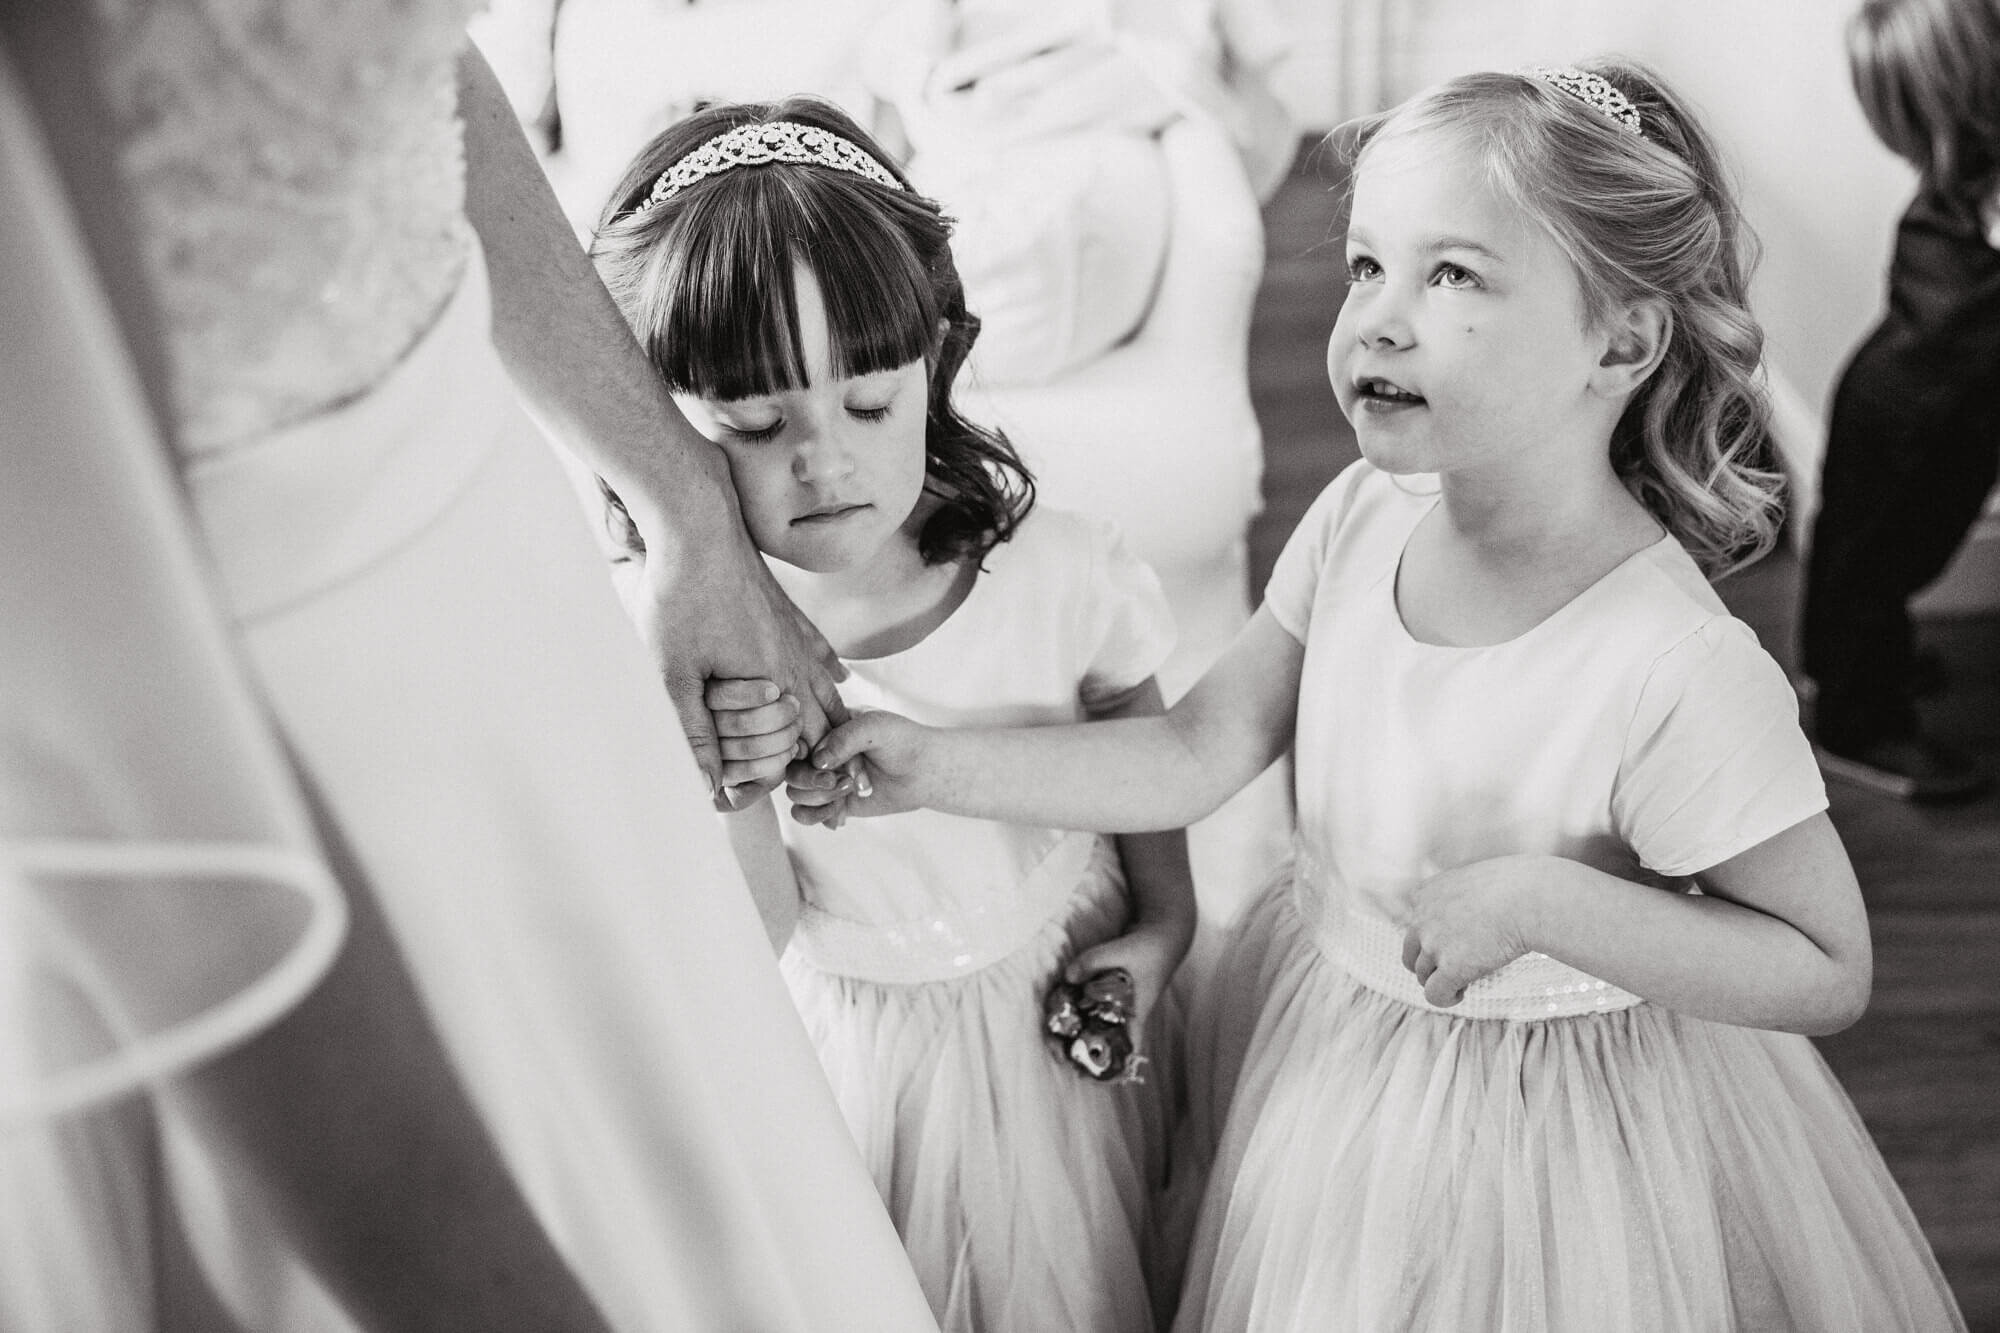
(755, 434)
(869, 413)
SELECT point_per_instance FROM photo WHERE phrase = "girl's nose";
(821, 457)
(1382, 321)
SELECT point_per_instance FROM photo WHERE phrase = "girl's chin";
(819, 562)
(1394, 457)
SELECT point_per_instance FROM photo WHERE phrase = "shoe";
(1910, 768)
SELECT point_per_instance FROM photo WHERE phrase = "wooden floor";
(1924, 1066)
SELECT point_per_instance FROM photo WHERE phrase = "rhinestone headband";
(1594, 91)
(757, 145)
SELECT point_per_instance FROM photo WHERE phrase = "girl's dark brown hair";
(705, 281)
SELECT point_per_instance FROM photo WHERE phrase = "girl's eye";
(755, 433)
(869, 413)
(1451, 275)
(1361, 268)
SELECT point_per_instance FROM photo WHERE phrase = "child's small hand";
(1467, 923)
(872, 764)
(1149, 952)
(757, 733)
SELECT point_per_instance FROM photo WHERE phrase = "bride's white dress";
(403, 568)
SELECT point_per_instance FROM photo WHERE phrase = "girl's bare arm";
(1132, 774)
(1778, 937)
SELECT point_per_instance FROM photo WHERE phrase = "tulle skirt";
(1019, 1186)
(1385, 1168)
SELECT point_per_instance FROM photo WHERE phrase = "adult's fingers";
(699, 728)
(819, 670)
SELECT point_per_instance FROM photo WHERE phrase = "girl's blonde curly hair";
(1647, 218)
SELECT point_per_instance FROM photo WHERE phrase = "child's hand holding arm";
(1777, 939)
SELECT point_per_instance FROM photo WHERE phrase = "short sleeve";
(1125, 628)
(1714, 760)
(1294, 581)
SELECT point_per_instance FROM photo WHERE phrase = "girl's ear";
(1639, 335)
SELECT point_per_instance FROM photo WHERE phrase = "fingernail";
(770, 691)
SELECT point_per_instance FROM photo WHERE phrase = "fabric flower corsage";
(1091, 1025)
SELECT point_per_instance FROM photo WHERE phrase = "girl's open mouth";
(1379, 395)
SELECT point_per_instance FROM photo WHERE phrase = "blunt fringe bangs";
(705, 280)
(1647, 219)
(723, 322)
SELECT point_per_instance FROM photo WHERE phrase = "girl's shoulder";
(1350, 536)
(1668, 593)
(1696, 655)
(1364, 502)
(1053, 544)
(1714, 760)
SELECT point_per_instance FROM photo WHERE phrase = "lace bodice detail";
(298, 171)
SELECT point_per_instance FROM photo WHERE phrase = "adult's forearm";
(577, 365)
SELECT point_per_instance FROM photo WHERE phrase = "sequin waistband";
(1370, 949)
(959, 943)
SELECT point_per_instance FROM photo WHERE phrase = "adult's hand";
(714, 611)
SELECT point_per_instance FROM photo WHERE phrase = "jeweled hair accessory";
(1594, 91)
(758, 144)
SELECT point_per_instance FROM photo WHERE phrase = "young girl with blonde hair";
(1524, 1020)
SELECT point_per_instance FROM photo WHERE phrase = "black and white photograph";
(1000, 666)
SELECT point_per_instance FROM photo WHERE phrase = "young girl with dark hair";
(1503, 1066)
(802, 304)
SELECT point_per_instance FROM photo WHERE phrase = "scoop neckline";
(1583, 594)
(979, 580)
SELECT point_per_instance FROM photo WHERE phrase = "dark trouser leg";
(1910, 460)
